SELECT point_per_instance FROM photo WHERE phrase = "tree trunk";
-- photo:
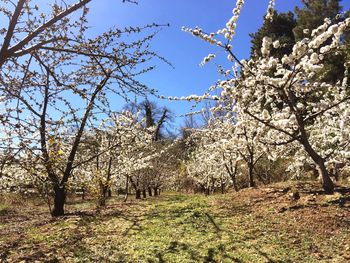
(102, 201)
(109, 192)
(150, 191)
(138, 194)
(59, 200)
(155, 191)
(126, 189)
(103, 196)
(234, 182)
(222, 187)
(327, 182)
(144, 193)
(251, 175)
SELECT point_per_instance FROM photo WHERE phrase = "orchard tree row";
(274, 116)
(57, 84)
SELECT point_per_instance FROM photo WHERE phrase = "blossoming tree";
(287, 95)
(60, 88)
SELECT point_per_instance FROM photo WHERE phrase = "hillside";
(269, 224)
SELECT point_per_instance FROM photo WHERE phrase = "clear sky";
(183, 50)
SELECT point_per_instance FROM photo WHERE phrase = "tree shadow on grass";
(212, 255)
(269, 258)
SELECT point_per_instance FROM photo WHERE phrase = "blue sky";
(183, 50)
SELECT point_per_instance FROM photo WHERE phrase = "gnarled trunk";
(59, 200)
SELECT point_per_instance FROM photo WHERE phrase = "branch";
(94, 156)
(78, 136)
(72, 51)
(9, 34)
(46, 25)
(315, 115)
(268, 124)
(35, 47)
(294, 138)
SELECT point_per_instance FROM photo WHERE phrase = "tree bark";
(327, 182)
(155, 189)
(138, 194)
(59, 200)
(222, 187)
(232, 171)
(126, 189)
(150, 191)
(144, 193)
(251, 175)
(103, 196)
(234, 182)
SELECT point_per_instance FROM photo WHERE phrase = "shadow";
(135, 226)
(80, 214)
(209, 258)
(341, 201)
(342, 190)
(159, 256)
(269, 259)
(217, 228)
(310, 189)
(176, 247)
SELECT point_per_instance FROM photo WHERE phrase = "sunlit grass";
(174, 228)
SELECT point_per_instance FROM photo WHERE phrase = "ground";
(270, 224)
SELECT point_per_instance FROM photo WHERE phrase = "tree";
(223, 147)
(284, 102)
(312, 16)
(155, 116)
(56, 92)
(105, 150)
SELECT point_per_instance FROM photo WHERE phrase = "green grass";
(171, 228)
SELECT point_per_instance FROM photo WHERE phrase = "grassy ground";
(256, 225)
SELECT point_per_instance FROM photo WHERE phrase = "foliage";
(280, 28)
